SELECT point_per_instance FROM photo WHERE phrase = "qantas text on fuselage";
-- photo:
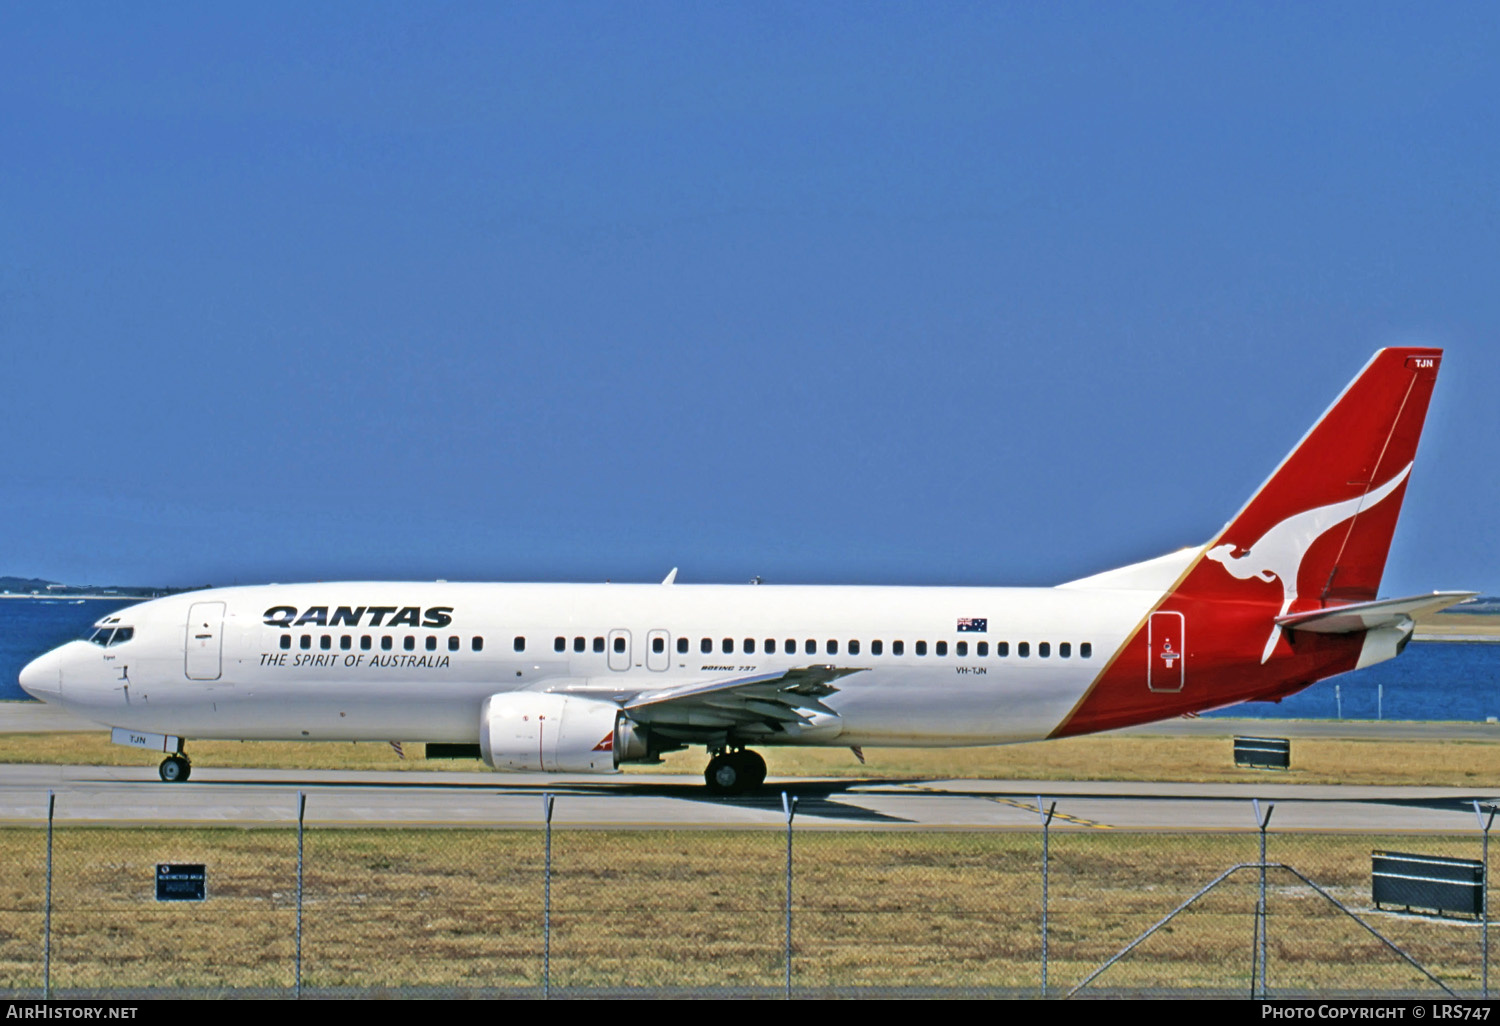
(585, 678)
(355, 616)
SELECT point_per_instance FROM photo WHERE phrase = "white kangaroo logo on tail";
(1278, 554)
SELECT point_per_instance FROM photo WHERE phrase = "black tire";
(725, 775)
(174, 769)
(754, 769)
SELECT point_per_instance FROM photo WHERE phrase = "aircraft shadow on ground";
(814, 798)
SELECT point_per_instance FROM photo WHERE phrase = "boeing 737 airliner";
(582, 678)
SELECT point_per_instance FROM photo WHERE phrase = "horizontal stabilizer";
(1369, 616)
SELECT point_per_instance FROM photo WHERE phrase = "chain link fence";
(1064, 909)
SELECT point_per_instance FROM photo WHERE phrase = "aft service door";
(1166, 652)
(205, 640)
(619, 649)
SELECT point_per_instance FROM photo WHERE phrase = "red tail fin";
(1315, 535)
(1320, 528)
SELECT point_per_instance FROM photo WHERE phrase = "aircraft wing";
(1368, 616)
(761, 704)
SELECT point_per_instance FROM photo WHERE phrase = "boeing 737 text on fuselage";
(583, 678)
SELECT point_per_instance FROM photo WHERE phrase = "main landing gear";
(731, 773)
(175, 768)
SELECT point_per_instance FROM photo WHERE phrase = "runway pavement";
(102, 794)
(130, 795)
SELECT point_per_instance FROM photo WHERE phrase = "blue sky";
(921, 293)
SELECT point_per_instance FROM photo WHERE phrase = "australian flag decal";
(976, 624)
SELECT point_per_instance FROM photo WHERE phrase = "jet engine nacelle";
(553, 733)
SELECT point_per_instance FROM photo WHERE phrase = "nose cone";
(42, 677)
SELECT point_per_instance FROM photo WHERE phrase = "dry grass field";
(1485, 625)
(1132, 757)
(433, 911)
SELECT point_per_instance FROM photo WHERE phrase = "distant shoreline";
(70, 596)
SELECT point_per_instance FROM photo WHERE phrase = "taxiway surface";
(133, 795)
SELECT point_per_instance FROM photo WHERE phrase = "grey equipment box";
(1263, 752)
(1432, 882)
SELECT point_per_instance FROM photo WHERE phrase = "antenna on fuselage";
(671, 578)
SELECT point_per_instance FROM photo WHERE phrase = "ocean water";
(29, 627)
(1429, 681)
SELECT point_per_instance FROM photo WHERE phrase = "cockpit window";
(101, 636)
(122, 635)
(112, 635)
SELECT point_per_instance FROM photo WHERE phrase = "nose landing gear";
(175, 768)
(732, 773)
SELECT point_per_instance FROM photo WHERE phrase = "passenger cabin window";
(579, 644)
(306, 641)
(833, 647)
(876, 647)
(386, 643)
(682, 646)
(706, 646)
(519, 644)
(431, 643)
(898, 648)
(854, 648)
(598, 644)
(364, 642)
(619, 644)
(942, 648)
(1023, 649)
(346, 642)
(453, 643)
(921, 648)
(658, 644)
(1086, 650)
(409, 643)
(286, 641)
(477, 644)
(749, 646)
(325, 642)
(811, 647)
(770, 648)
(559, 644)
(961, 648)
(1044, 649)
(1064, 649)
(981, 648)
(1002, 649)
(728, 646)
(789, 646)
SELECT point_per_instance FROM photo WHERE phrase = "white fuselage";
(401, 662)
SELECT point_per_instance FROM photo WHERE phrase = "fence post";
(1046, 827)
(1260, 904)
(47, 925)
(547, 803)
(789, 807)
(301, 816)
(1484, 898)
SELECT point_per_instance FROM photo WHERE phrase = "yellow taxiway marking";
(1028, 807)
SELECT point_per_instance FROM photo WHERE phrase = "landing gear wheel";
(725, 774)
(175, 769)
(732, 773)
(755, 769)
